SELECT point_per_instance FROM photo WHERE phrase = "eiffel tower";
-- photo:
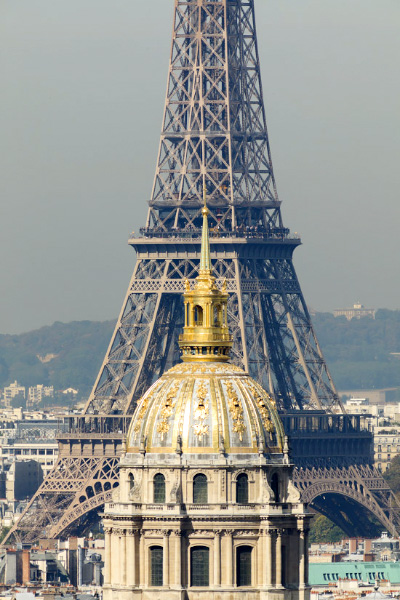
(214, 128)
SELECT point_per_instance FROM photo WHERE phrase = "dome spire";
(206, 336)
(205, 261)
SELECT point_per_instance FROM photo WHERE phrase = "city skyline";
(80, 122)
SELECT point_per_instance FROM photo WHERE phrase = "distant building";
(386, 446)
(363, 572)
(380, 396)
(356, 312)
(70, 391)
(11, 391)
(36, 394)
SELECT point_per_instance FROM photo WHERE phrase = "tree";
(322, 530)
(18, 401)
(392, 474)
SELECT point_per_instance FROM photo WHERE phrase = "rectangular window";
(200, 566)
(156, 566)
(243, 566)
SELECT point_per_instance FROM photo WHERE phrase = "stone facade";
(272, 526)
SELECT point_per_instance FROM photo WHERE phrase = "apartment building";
(386, 445)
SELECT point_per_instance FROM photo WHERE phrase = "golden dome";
(206, 407)
(205, 404)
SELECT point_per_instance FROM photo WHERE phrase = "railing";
(89, 425)
(301, 423)
(90, 436)
(195, 234)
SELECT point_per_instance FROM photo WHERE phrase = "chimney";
(352, 545)
(26, 566)
(367, 546)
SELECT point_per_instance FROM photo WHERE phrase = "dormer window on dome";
(205, 335)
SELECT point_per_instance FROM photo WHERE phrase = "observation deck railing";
(251, 233)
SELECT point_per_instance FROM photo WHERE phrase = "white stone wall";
(276, 531)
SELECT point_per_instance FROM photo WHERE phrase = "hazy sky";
(82, 94)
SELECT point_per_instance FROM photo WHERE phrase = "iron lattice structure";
(214, 129)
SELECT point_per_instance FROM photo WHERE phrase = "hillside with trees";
(359, 352)
(64, 355)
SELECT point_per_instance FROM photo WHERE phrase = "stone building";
(206, 507)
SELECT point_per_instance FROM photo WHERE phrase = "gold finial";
(206, 336)
(205, 260)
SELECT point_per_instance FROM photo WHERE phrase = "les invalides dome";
(206, 507)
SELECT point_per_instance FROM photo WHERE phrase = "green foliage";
(78, 349)
(322, 530)
(358, 351)
(392, 474)
(3, 533)
(18, 402)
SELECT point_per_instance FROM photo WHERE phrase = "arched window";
(131, 482)
(200, 566)
(275, 486)
(198, 315)
(156, 566)
(217, 316)
(159, 488)
(242, 489)
(200, 495)
(243, 566)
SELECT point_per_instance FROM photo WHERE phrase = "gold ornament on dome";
(167, 410)
(142, 412)
(145, 400)
(201, 411)
(263, 408)
(236, 410)
(200, 429)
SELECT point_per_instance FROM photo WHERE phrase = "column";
(269, 558)
(123, 556)
(131, 557)
(142, 562)
(261, 558)
(115, 556)
(166, 558)
(302, 560)
(229, 557)
(178, 559)
(278, 571)
(217, 558)
(306, 557)
(107, 565)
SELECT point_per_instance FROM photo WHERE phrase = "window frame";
(159, 488)
(245, 491)
(156, 575)
(200, 490)
(241, 550)
(193, 574)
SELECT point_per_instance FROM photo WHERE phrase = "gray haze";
(82, 93)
